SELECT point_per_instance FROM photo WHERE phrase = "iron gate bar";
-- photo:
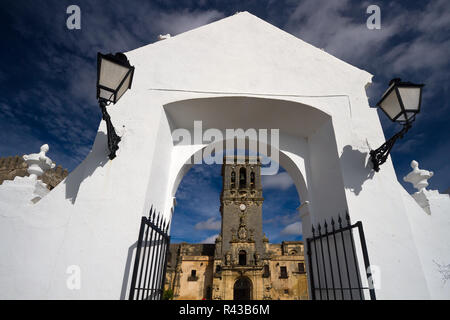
(337, 260)
(155, 281)
(366, 258)
(143, 262)
(354, 259)
(333, 233)
(311, 273)
(331, 265)
(136, 261)
(158, 264)
(161, 251)
(317, 263)
(345, 257)
(150, 283)
(151, 257)
(155, 265)
(163, 274)
(165, 264)
(323, 262)
(144, 289)
(150, 263)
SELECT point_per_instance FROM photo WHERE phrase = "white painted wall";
(431, 237)
(91, 219)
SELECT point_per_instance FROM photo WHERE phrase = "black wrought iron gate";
(149, 272)
(333, 262)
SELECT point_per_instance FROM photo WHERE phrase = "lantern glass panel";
(107, 95)
(111, 74)
(410, 98)
(125, 86)
(391, 105)
(406, 116)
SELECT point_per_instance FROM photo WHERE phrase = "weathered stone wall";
(295, 286)
(183, 258)
(11, 167)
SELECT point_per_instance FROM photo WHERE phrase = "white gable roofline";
(244, 42)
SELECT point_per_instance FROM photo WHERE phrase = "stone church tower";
(241, 210)
(240, 247)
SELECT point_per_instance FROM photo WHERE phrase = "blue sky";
(48, 73)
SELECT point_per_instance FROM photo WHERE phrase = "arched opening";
(233, 180)
(201, 188)
(242, 289)
(242, 258)
(242, 178)
(302, 129)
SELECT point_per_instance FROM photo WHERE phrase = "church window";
(193, 276)
(233, 180)
(252, 179)
(283, 273)
(242, 178)
(266, 273)
(242, 258)
(301, 267)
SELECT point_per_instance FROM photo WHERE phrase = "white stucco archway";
(293, 151)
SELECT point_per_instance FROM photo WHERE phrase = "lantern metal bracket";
(113, 138)
(379, 156)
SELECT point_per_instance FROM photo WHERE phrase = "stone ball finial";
(418, 177)
(38, 162)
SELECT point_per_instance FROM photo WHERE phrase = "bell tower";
(241, 239)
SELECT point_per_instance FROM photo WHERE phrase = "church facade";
(242, 264)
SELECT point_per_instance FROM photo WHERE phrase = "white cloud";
(420, 53)
(211, 239)
(293, 229)
(328, 25)
(280, 181)
(283, 219)
(332, 25)
(210, 224)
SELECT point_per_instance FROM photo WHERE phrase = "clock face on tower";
(242, 207)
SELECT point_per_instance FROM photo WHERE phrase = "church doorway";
(242, 289)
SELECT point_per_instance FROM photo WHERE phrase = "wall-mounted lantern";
(401, 103)
(114, 77)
